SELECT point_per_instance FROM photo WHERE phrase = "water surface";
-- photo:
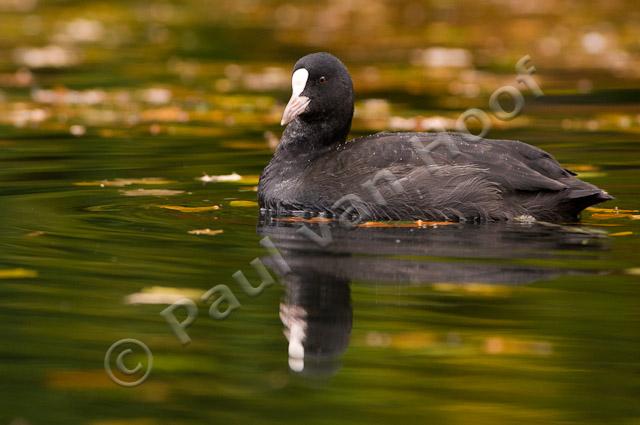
(105, 220)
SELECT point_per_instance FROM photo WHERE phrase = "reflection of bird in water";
(316, 310)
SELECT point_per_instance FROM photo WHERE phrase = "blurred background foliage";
(440, 55)
(111, 111)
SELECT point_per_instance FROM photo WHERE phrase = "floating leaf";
(611, 210)
(162, 295)
(230, 178)
(189, 209)
(35, 234)
(475, 288)
(609, 215)
(125, 182)
(635, 271)
(243, 203)
(151, 192)
(18, 273)
(418, 223)
(582, 167)
(621, 234)
(233, 177)
(594, 224)
(590, 174)
(208, 232)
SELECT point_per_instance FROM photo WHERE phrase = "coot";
(404, 176)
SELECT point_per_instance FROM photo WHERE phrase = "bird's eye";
(323, 79)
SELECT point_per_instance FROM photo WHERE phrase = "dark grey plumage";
(409, 176)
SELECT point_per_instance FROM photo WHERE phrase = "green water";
(460, 324)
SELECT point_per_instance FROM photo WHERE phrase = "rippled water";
(106, 220)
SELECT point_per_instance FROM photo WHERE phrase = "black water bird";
(404, 176)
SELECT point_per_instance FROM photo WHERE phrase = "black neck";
(303, 137)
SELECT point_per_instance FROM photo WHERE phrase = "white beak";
(297, 104)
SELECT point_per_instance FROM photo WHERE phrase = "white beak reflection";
(294, 320)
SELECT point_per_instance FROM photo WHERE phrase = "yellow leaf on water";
(207, 232)
(611, 210)
(152, 192)
(189, 209)
(162, 295)
(230, 178)
(18, 273)
(233, 177)
(243, 203)
(609, 215)
(621, 234)
(417, 223)
(478, 288)
(635, 271)
(582, 167)
(125, 182)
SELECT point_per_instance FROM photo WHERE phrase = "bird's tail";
(583, 196)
